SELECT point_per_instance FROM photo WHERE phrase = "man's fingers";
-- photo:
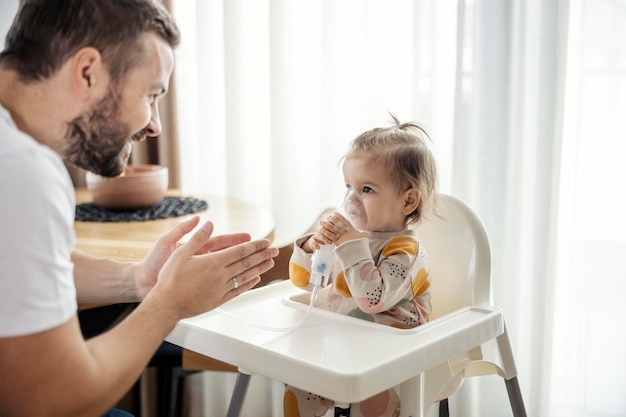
(181, 229)
(220, 242)
(197, 240)
(242, 252)
(250, 266)
(247, 278)
(241, 288)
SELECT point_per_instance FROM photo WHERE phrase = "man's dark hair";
(45, 33)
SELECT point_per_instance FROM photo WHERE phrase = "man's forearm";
(101, 280)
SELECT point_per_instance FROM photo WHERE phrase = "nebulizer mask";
(323, 258)
(354, 210)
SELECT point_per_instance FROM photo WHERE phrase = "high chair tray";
(335, 356)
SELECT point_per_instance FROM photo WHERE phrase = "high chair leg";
(342, 412)
(239, 393)
(444, 410)
(515, 397)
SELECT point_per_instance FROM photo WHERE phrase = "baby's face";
(373, 203)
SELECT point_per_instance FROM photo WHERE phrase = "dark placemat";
(168, 207)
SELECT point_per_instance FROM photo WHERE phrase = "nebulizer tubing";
(321, 265)
(272, 328)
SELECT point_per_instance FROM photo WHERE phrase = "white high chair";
(460, 262)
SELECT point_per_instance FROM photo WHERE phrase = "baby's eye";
(367, 190)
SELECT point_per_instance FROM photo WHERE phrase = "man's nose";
(154, 126)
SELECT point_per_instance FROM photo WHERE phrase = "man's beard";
(98, 142)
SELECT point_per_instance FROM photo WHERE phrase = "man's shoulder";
(25, 161)
(16, 145)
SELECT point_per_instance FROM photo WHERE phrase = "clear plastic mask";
(353, 209)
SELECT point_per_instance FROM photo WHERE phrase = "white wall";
(8, 8)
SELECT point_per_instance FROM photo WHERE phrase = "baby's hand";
(338, 229)
(315, 241)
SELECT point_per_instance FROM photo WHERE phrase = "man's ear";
(88, 73)
(411, 199)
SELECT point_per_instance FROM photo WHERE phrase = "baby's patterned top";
(383, 279)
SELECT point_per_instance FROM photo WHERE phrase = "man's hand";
(204, 272)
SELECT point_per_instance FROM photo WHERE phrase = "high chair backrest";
(459, 257)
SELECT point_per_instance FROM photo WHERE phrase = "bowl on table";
(139, 186)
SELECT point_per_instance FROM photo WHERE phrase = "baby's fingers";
(339, 220)
(318, 239)
(327, 236)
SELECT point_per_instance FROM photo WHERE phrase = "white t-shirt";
(37, 209)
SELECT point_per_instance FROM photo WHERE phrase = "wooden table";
(131, 241)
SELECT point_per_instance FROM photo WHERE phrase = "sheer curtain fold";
(505, 164)
(271, 92)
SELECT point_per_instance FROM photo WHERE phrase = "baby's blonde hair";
(402, 149)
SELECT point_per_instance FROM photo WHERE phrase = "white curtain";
(526, 105)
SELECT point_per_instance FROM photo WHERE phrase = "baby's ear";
(411, 200)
